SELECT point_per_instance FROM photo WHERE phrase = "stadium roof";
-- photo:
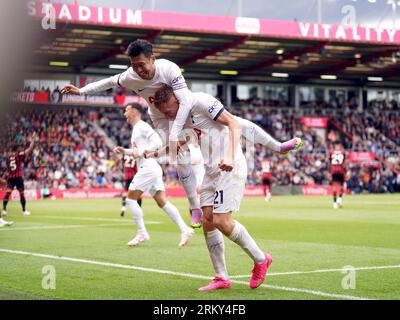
(205, 45)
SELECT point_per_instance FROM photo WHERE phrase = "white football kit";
(149, 177)
(167, 73)
(220, 189)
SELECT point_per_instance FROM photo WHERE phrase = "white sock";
(188, 179)
(256, 134)
(137, 214)
(216, 248)
(242, 238)
(173, 213)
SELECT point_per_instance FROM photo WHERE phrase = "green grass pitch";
(310, 242)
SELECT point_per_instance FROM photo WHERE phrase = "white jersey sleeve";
(152, 137)
(185, 97)
(207, 105)
(215, 108)
(119, 80)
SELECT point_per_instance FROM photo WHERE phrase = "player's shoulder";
(205, 100)
(165, 64)
(169, 70)
(144, 125)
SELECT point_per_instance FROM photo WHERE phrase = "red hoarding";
(315, 122)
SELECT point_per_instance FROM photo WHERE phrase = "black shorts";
(266, 182)
(127, 183)
(338, 178)
(15, 182)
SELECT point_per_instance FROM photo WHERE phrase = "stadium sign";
(80, 13)
(314, 122)
(75, 13)
(362, 157)
(354, 34)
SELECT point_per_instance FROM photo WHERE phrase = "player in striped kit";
(337, 161)
(130, 169)
(266, 166)
(15, 178)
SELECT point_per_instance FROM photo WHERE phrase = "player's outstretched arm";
(130, 152)
(119, 150)
(31, 145)
(186, 100)
(163, 151)
(229, 120)
(92, 88)
(70, 89)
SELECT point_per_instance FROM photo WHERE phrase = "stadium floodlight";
(328, 77)
(59, 64)
(229, 72)
(380, 79)
(280, 75)
(118, 66)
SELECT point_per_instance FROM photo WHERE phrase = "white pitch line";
(320, 271)
(182, 274)
(128, 221)
(72, 226)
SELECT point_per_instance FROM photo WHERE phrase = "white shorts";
(224, 190)
(148, 179)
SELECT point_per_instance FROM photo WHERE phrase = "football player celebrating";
(15, 177)
(147, 75)
(149, 177)
(218, 133)
(337, 160)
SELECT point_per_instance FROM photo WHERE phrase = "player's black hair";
(139, 47)
(136, 106)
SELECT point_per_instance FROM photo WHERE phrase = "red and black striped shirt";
(337, 162)
(130, 167)
(14, 164)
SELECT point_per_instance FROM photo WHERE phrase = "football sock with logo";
(242, 238)
(216, 249)
(188, 179)
(256, 134)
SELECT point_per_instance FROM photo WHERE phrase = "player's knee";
(220, 221)
(161, 203)
(132, 195)
(207, 219)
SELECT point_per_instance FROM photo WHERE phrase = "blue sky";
(372, 14)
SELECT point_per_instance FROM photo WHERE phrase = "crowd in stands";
(74, 147)
(370, 130)
(69, 151)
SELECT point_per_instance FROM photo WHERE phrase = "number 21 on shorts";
(219, 197)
